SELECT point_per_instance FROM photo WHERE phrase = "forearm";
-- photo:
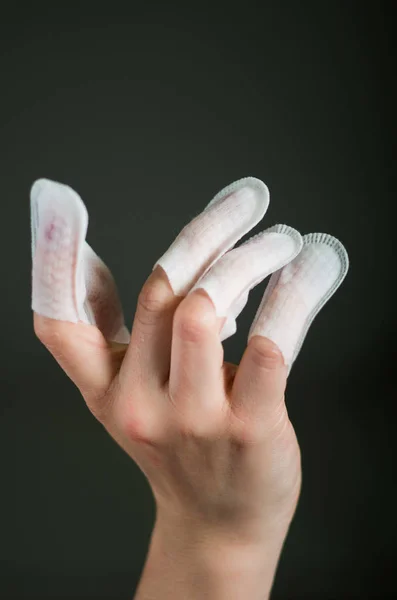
(179, 570)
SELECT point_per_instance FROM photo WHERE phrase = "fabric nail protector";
(69, 281)
(230, 280)
(231, 214)
(297, 292)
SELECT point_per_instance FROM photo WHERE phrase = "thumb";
(77, 312)
(82, 351)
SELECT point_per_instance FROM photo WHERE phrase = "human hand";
(213, 439)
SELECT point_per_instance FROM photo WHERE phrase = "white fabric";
(231, 214)
(297, 292)
(241, 269)
(71, 283)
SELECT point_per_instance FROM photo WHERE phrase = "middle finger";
(231, 214)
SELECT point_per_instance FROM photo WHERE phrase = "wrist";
(183, 564)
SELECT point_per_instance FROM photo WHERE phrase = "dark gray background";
(147, 115)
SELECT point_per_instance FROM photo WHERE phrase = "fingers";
(196, 378)
(87, 358)
(229, 281)
(148, 356)
(297, 292)
(102, 303)
(294, 296)
(197, 353)
(72, 290)
(69, 281)
(59, 224)
(257, 398)
(233, 212)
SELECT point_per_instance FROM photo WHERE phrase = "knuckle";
(251, 430)
(246, 432)
(190, 329)
(135, 422)
(278, 422)
(191, 325)
(151, 302)
(265, 354)
(207, 424)
(135, 429)
(199, 429)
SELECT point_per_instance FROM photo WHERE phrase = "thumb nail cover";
(69, 281)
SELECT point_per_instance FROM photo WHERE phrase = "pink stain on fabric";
(50, 231)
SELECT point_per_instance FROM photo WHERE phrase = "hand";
(203, 431)
(213, 439)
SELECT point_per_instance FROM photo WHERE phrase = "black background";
(147, 114)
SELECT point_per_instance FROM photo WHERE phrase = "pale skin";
(213, 439)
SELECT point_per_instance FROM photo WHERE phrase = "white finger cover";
(200, 256)
(229, 281)
(231, 214)
(297, 292)
(69, 281)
